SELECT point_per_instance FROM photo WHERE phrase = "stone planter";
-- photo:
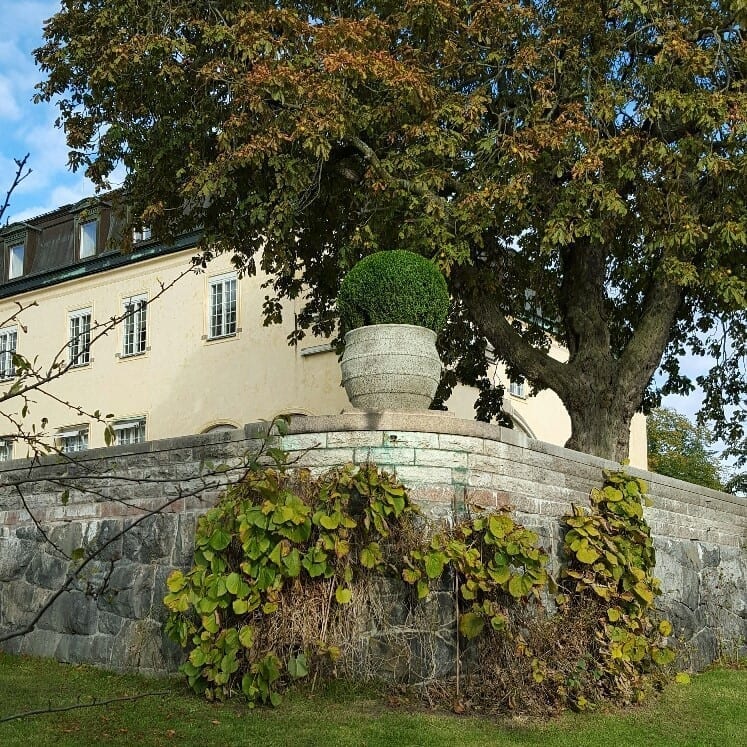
(391, 367)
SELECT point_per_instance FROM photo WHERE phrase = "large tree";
(589, 152)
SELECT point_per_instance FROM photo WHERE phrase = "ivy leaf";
(613, 614)
(246, 636)
(240, 606)
(343, 595)
(642, 591)
(663, 656)
(369, 557)
(292, 563)
(586, 554)
(176, 581)
(220, 539)
(298, 666)
(471, 625)
(411, 575)
(434, 564)
(665, 628)
(330, 522)
(500, 525)
(233, 583)
(519, 586)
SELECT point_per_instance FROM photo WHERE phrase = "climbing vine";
(496, 562)
(270, 534)
(610, 561)
(279, 559)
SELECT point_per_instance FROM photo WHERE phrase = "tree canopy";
(582, 156)
(678, 448)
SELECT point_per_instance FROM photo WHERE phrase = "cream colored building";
(195, 358)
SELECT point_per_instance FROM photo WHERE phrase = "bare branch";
(21, 173)
(93, 704)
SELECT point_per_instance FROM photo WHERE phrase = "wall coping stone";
(429, 421)
(434, 421)
(157, 446)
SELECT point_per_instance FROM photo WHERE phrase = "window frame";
(228, 325)
(135, 326)
(136, 424)
(518, 388)
(82, 224)
(79, 432)
(6, 353)
(6, 450)
(12, 247)
(83, 357)
(142, 234)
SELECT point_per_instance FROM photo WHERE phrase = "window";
(80, 337)
(6, 451)
(133, 329)
(87, 233)
(73, 439)
(8, 338)
(129, 431)
(518, 388)
(141, 234)
(220, 428)
(15, 261)
(223, 306)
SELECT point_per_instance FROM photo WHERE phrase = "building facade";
(190, 353)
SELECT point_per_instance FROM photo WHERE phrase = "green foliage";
(496, 562)
(282, 553)
(610, 561)
(592, 152)
(678, 448)
(271, 535)
(393, 287)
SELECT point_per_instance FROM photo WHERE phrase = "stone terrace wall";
(451, 466)
(112, 616)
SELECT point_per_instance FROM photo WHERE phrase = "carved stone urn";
(391, 367)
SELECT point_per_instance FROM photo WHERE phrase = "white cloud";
(9, 109)
(59, 196)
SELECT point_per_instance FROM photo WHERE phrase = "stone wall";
(112, 615)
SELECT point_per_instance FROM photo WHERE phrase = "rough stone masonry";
(112, 613)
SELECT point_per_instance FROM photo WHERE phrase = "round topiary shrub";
(393, 287)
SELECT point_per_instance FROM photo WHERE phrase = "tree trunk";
(601, 388)
(600, 427)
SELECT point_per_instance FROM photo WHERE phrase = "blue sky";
(26, 127)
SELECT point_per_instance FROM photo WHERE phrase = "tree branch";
(93, 704)
(507, 342)
(21, 173)
(642, 355)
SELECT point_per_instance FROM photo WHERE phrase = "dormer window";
(87, 235)
(16, 253)
(141, 234)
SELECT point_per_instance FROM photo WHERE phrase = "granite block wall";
(141, 503)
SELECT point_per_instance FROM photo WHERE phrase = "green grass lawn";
(710, 711)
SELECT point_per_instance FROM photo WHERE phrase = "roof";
(50, 245)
